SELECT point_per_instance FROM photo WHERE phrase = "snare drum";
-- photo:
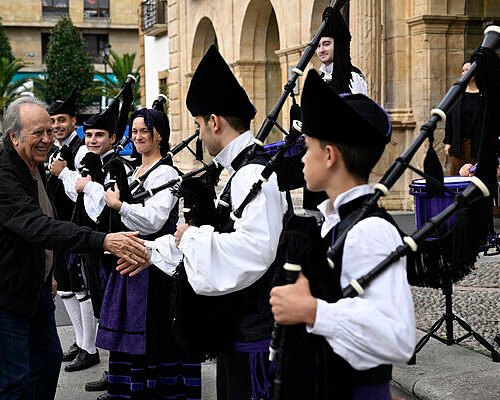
(427, 206)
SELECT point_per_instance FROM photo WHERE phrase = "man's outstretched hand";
(123, 245)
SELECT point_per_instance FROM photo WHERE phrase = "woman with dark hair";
(135, 320)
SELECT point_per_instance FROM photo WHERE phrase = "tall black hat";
(66, 106)
(336, 27)
(352, 119)
(215, 90)
(106, 120)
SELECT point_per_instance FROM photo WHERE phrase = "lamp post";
(105, 58)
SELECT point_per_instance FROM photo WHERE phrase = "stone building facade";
(410, 51)
(28, 25)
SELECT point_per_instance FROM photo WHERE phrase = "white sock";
(72, 306)
(89, 323)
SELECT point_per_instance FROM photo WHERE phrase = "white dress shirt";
(220, 263)
(93, 199)
(377, 327)
(150, 217)
(357, 84)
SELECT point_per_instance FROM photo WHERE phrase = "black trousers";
(234, 376)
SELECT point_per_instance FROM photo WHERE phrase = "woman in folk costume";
(135, 323)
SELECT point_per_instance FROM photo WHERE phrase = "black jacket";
(24, 234)
(453, 130)
(55, 187)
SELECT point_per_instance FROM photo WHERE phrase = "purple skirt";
(122, 325)
(372, 392)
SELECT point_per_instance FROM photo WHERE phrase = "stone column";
(367, 42)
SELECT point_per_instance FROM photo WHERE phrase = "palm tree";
(121, 67)
(9, 89)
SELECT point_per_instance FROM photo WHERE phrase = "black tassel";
(289, 170)
(433, 168)
(199, 149)
(453, 255)
(192, 313)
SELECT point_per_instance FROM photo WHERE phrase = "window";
(54, 8)
(96, 8)
(153, 13)
(95, 46)
(45, 45)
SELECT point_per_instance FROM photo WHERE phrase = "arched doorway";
(259, 67)
(204, 37)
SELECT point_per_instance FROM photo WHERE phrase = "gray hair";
(12, 118)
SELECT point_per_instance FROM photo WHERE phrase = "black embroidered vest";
(310, 367)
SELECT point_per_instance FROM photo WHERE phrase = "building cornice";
(85, 25)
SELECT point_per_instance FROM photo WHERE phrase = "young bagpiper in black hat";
(363, 336)
(230, 264)
(106, 120)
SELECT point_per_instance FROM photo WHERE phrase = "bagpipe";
(128, 98)
(433, 173)
(92, 165)
(432, 261)
(139, 181)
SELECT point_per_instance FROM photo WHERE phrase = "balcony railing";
(154, 17)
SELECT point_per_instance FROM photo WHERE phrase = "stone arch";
(204, 37)
(259, 66)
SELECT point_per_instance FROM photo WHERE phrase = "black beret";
(352, 119)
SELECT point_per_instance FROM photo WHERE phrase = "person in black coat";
(30, 352)
(463, 127)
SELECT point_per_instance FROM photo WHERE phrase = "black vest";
(242, 316)
(310, 367)
(55, 187)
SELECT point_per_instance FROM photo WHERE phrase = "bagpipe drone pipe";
(454, 253)
(138, 182)
(109, 220)
(126, 93)
(297, 71)
(431, 262)
(198, 322)
(91, 165)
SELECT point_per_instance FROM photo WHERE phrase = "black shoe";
(497, 338)
(82, 361)
(72, 352)
(103, 396)
(99, 385)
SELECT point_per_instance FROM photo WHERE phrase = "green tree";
(121, 66)
(68, 65)
(9, 89)
(5, 49)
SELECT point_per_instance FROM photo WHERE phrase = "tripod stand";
(448, 318)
